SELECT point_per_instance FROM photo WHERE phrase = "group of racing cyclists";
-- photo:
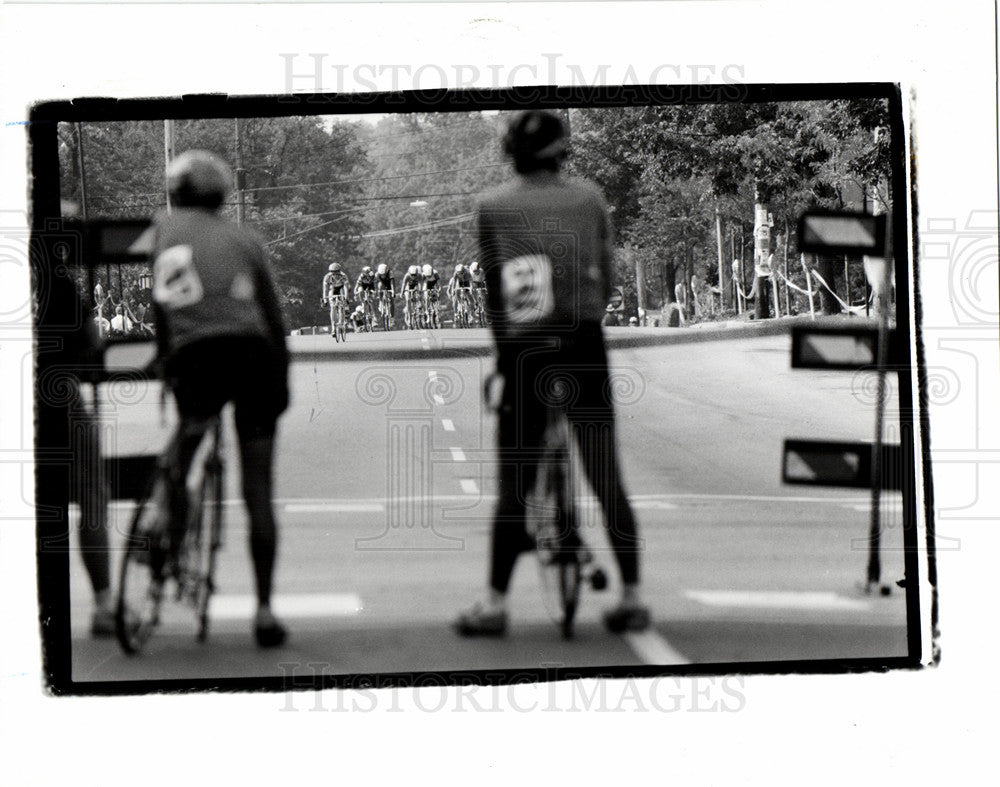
(375, 295)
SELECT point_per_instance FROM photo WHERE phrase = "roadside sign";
(847, 348)
(828, 232)
(120, 240)
(822, 463)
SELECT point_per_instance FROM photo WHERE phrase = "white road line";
(886, 505)
(300, 605)
(432, 376)
(748, 498)
(469, 486)
(448, 424)
(776, 599)
(651, 501)
(652, 648)
(457, 454)
(333, 507)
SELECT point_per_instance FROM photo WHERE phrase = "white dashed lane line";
(776, 599)
(296, 605)
(469, 486)
(448, 424)
(652, 648)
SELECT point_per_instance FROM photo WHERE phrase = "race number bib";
(526, 286)
(176, 283)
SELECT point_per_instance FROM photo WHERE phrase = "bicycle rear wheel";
(142, 578)
(552, 520)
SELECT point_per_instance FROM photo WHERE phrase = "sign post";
(850, 464)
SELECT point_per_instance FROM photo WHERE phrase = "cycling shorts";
(245, 370)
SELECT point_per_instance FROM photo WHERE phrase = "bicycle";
(366, 302)
(338, 323)
(411, 309)
(157, 558)
(479, 305)
(565, 562)
(431, 308)
(463, 317)
(384, 308)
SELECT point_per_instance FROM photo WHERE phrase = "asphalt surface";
(385, 485)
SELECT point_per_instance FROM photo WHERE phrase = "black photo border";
(50, 326)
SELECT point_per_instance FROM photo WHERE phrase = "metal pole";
(874, 573)
(847, 286)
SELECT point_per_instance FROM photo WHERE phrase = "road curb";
(615, 339)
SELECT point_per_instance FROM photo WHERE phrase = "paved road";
(385, 484)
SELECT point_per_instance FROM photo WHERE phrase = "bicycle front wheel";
(207, 538)
(143, 569)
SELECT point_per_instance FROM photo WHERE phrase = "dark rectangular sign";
(121, 241)
(822, 463)
(854, 234)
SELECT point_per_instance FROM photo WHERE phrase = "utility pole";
(761, 246)
(168, 155)
(240, 176)
(718, 243)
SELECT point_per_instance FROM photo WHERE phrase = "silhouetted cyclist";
(545, 243)
(221, 337)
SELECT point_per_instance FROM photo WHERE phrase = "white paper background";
(927, 726)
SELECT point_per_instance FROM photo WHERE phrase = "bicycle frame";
(159, 554)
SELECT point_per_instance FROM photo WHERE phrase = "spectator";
(221, 338)
(120, 322)
(545, 244)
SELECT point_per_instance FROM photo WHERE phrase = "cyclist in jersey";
(357, 318)
(365, 282)
(221, 339)
(364, 289)
(478, 277)
(459, 278)
(431, 278)
(546, 247)
(385, 281)
(335, 282)
(411, 284)
(432, 286)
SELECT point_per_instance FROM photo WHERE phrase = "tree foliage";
(400, 188)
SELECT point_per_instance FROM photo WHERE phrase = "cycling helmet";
(474, 266)
(197, 178)
(335, 267)
(366, 269)
(459, 268)
(427, 270)
(536, 135)
(414, 270)
(383, 269)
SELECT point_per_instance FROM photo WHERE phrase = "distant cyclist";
(221, 339)
(386, 282)
(460, 277)
(432, 288)
(335, 283)
(365, 283)
(546, 246)
(460, 295)
(411, 286)
(364, 290)
(357, 319)
(478, 277)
